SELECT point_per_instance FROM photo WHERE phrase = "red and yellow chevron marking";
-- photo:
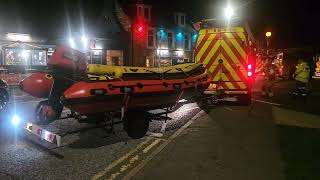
(227, 45)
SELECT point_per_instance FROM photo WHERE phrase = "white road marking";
(266, 102)
(163, 127)
(190, 109)
(118, 161)
(229, 109)
(147, 149)
(156, 135)
(136, 169)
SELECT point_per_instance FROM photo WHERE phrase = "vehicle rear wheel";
(47, 111)
(244, 100)
(136, 124)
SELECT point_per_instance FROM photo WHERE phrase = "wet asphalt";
(86, 148)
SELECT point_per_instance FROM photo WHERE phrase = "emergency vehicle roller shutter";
(223, 53)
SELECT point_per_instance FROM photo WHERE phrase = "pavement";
(226, 141)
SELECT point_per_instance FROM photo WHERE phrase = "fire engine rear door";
(222, 51)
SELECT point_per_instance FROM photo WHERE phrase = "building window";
(186, 41)
(38, 58)
(151, 38)
(140, 11)
(170, 40)
(146, 13)
(96, 57)
(182, 20)
(25, 57)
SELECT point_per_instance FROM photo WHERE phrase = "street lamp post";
(268, 35)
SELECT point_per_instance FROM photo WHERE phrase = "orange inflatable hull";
(98, 97)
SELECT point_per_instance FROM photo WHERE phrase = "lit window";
(96, 57)
(170, 40)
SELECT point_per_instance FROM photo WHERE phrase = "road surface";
(226, 141)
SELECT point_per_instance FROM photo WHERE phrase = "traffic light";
(139, 29)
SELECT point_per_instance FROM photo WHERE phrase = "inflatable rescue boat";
(98, 89)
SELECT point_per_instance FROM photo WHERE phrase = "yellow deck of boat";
(105, 72)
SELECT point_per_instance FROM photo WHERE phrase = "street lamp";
(228, 13)
(72, 42)
(268, 34)
(84, 40)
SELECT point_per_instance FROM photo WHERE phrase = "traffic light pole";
(132, 46)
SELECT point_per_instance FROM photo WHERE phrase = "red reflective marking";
(215, 71)
(238, 38)
(234, 50)
(235, 69)
(223, 84)
(204, 39)
(209, 48)
(213, 58)
(230, 78)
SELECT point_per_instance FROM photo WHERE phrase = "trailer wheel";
(136, 124)
(47, 111)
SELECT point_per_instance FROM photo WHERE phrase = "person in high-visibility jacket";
(302, 77)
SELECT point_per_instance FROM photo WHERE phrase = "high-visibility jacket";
(302, 72)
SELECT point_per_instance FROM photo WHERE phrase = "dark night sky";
(294, 23)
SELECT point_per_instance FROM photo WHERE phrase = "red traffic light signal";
(139, 29)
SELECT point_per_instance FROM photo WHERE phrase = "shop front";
(166, 57)
(20, 59)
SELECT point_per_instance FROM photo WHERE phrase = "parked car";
(4, 94)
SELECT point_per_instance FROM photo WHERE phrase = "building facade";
(166, 40)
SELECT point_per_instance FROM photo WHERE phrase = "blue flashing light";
(179, 36)
(162, 34)
(194, 37)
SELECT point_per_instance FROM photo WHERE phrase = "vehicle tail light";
(249, 74)
(249, 66)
